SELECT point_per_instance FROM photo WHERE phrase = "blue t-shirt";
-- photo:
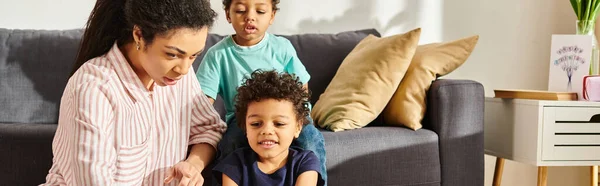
(226, 64)
(241, 166)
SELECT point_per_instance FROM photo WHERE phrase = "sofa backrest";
(34, 70)
(35, 66)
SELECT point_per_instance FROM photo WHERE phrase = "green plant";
(586, 12)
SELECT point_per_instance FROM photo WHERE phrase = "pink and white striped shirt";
(113, 131)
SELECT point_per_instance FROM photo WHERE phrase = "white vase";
(587, 27)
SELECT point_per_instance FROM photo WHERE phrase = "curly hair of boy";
(263, 85)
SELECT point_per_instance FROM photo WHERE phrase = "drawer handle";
(595, 118)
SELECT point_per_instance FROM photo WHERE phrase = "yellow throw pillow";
(365, 81)
(407, 106)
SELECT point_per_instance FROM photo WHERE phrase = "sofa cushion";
(407, 106)
(365, 81)
(34, 69)
(410, 157)
(322, 55)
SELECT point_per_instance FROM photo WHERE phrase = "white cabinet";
(543, 133)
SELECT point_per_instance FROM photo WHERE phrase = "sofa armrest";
(26, 153)
(455, 113)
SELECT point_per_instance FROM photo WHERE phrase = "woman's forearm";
(201, 155)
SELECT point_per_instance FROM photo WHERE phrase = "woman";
(131, 109)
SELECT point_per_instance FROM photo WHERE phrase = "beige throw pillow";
(407, 106)
(365, 81)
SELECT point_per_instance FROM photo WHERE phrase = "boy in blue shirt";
(270, 110)
(228, 62)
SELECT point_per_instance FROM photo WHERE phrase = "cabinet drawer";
(571, 133)
(576, 153)
(576, 114)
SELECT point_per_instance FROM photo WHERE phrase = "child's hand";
(186, 173)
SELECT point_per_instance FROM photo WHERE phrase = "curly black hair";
(227, 4)
(271, 85)
(113, 20)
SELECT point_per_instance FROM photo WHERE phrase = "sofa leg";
(542, 176)
(498, 171)
(594, 175)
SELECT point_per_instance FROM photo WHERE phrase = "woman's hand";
(186, 173)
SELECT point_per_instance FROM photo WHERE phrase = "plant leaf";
(588, 9)
(579, 12)
(595, 5)
(574, 4)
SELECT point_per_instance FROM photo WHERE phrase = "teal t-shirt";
(226, 64)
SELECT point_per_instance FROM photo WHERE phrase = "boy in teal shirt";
(226, 64)
(234, 58)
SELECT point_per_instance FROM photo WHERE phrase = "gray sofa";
(448, 151)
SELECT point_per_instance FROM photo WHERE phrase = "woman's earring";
(137, 46)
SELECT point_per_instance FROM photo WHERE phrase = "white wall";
(44, 14)
(331, 16)
(512, 52)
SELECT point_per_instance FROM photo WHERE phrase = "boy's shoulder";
(221, 45)
(300, 153)
(279, 40)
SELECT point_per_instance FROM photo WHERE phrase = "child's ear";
(272, 17)
(227, 16)
(298, 129)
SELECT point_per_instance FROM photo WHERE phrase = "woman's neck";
(270, 165)
(132, 56)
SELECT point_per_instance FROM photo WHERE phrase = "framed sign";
(569, 62)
